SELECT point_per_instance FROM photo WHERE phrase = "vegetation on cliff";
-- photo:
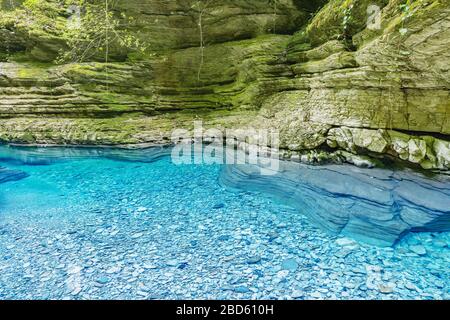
(317, 71)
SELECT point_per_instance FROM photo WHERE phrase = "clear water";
(111, 228)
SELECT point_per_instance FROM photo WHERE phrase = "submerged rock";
(254, 260)
(345, 242)
(103, 280)
(242, 289)
(420, 250)
(385, 288)
(372, 205)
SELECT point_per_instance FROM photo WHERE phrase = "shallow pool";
(103, 224)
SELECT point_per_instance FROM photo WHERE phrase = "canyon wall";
(318, 71)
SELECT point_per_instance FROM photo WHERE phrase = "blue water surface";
(114, 228)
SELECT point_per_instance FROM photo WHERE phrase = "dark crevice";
(309, 6)
(437, 135)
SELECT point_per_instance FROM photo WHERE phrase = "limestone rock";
(325, 82)
(352, 138)
(427, 151)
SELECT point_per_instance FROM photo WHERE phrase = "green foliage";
(36, 17)
(86, 29)
(347, 21)
(405, 8)
(97, 30)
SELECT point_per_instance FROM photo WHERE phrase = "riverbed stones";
(418, 249)
(172, 263)
(137, 235)
(36, 244)
(386, 288)
(114, 269)
(346, 242)
(241, 289)
(103, 280)
(423, 150)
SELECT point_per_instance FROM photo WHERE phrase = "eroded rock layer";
(7, 175)
(320, 72)
(377, 206)
(372, 205)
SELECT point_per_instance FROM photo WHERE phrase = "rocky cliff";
(336, 87)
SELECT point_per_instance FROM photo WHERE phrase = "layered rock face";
(140, 99)
(385, 92)
(321, 72)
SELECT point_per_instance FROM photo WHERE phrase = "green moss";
(337, 20)
(33, 70)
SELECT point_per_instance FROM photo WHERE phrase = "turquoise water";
(118, 225)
